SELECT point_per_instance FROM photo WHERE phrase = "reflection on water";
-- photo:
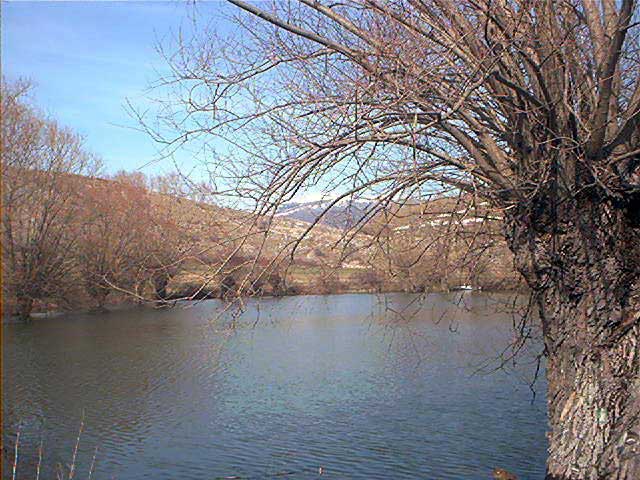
(337, 382)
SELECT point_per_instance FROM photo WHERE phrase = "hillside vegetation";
(131, 242)
(74, 240)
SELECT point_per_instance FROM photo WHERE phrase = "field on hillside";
(417, 247)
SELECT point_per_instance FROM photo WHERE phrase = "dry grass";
(71, 472)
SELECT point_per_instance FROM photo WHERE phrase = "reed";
(60, 474)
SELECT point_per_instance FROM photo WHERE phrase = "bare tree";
(531, 105)
(443, 243)
(112, 229)
(159, 238)
(40, 160)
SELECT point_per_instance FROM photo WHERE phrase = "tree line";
(74, 238)
(69, 237)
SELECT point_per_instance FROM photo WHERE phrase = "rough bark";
(581, 259)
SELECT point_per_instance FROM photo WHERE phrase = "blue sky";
(86, 58)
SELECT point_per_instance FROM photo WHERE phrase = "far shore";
(39, 315)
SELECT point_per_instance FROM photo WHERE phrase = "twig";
(72, 467)
(39, 460)
(93, 462)
(15, 457)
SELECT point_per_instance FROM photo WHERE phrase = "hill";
(132, 241)
(342, 214)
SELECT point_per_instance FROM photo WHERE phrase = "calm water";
(338, 382)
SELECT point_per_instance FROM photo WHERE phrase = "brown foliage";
(39, 207)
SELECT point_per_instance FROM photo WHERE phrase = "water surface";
(339, 382)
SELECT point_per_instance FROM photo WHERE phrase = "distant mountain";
(344, 214)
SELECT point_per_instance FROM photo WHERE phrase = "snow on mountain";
(344, 214)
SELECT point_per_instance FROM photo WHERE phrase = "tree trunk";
(100, 300)
(583, 269)
(160, 282)
(25, 307)
(98, 293)
(593, 387)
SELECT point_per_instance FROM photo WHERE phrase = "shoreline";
(174, 302)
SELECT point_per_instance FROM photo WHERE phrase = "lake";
(337, 387)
